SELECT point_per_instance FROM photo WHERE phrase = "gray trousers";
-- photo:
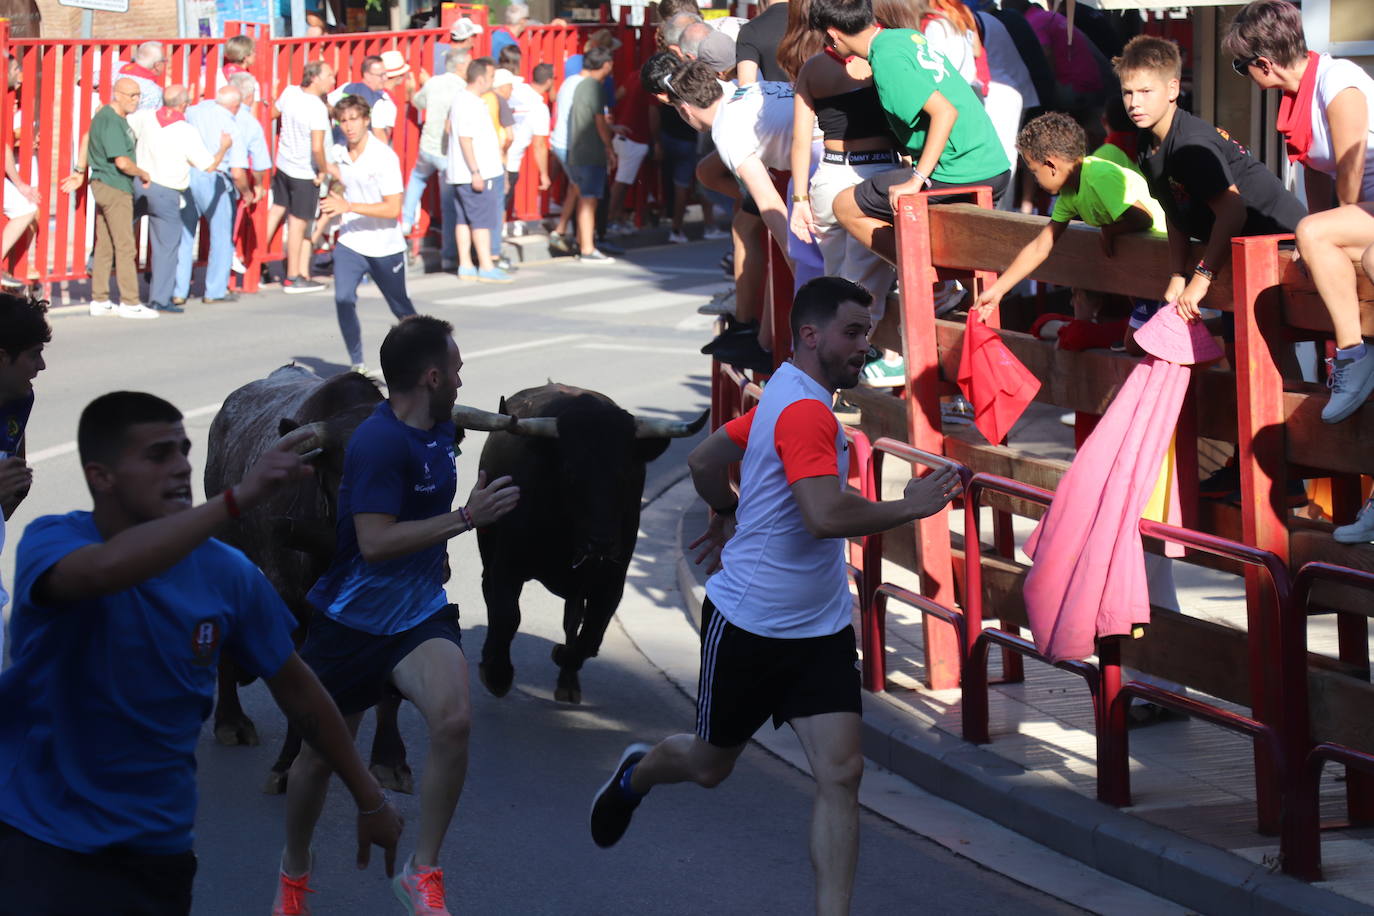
(165, 213)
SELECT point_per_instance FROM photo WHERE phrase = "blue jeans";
(212, 195)
(426, 164)
(167, 219)
(389, 275)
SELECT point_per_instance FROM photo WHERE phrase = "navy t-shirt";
(14, 416)
(103, 704)
(411, 474)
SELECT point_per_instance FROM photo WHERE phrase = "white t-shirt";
(755, 121)
(957, 47)
(469, 117)
(375, 174)
(531, 120)
(383, 110)
(301, 114)
(558, 139)
(168, 153)
(1333, 77)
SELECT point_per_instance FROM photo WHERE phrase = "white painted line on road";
(527, 345)
(696, 322)
(649, 301)
(66, 448)
(636, 348)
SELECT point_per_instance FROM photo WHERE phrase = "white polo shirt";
(469, 117)
(777, 580)
(168, 153)
(301, 115)
(375, 174)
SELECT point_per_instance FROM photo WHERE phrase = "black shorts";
(871, 193)
(746, 678)
(355, 667)
(300, 196)
(43, 880)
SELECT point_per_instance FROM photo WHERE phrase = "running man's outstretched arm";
(381, 537)
(830, 512)
(710, 464)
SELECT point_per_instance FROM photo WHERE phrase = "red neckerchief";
(167, 116)
(1128, 141)
(1295, 113)
(231, 68)
(133, 69)
(843, 60)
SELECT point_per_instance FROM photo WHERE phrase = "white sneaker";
(103, 308)
(137, 311)
(1361, 530)
(237, 265)
(714, 232)
(677, 238)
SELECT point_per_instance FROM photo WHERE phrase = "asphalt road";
(519, 843)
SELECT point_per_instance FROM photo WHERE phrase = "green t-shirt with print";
(109, 138)
(1105, 192)
(906, 71)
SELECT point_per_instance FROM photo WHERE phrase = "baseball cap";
(717, 51)
(463, 29)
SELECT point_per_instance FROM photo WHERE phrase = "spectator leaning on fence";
(146, 70)
(214, 196)
(300, 169)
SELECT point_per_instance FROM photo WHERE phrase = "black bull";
(579, 461)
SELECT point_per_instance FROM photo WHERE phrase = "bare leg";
(275, 214)
(746, 231)
(296, 242)
(875, 235)
(566, 214)
(481, 240)
(615, 210)
(435, 678)
(14, 229)
(306, 789)
(586, 224)
(463, 234)
(831, 742)
(684, 758)
(1328, 242)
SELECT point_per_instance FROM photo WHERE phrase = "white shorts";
(631, 156)
(17, 204)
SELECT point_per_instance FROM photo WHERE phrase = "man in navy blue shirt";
(382, 620)
(120, 617)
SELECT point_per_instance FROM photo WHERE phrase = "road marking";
(559, 285)
(696, 322)
(636, 348)
(527, 345)
(66, 448)
(650, 301)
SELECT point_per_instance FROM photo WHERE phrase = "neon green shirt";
(1105, 192)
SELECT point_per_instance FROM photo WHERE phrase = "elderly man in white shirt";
(166, 146)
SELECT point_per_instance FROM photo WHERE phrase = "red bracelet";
(466, 517)
(230, 503)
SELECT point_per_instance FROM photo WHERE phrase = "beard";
(441, 402)
(841, 372)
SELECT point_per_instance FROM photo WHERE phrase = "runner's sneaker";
(1351, 381)
(884, 373)
(290, 899)
(421, 890)
(298, 285)
(714, 233)
(614, 805)
(677, 237)
(103, 308)
(1360, 530)
(137, 311)
(494, 275)
(595, 257)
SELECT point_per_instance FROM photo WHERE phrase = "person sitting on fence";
(474, 164)
(300, 170)
(585, 139)
(435, 98)
(146, 69)
(214, 196)
(371, 88)
(1327, 118)
(506, 36)
(529, 103)
(1099, 192)
(167, 147)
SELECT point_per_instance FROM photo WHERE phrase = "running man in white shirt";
(369, 210)
(776, 635)
(300, 169)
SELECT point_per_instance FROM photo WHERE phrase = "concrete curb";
(1194, 874)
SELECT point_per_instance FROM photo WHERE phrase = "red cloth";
(633, 111)
(167, 116)
(1295, 113)
(1091, 335)
(1128, 141)
(133, 69)
(993, 380)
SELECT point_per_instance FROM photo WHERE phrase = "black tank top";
(853, 115)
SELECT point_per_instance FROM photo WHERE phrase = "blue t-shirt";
(411, 474)
(104, 701)
(500, 38)
(14, 416)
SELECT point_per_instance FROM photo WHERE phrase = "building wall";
(145, 19)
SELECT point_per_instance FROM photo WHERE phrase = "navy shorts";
(355, 667)
(871, 193)
(747, 678)
(480, 209)
(590, 179)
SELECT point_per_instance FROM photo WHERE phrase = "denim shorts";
(590, 179)
(480, 209)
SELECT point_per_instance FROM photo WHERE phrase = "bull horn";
(537, 427)
(483, 420)
(318, 435)
(653, 428)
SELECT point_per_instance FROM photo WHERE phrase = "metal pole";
(86, 19)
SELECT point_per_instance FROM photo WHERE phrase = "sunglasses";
(1242, 67)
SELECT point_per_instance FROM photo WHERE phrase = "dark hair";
(509, 58)
(1152, 54)
(849, 17)
(311, 72)
(417, 343)
(662, 64)
(541, 73)
(479, 67)
(22, 324)
(596, 57)
(352, 103)
(1052, 134)
(667, 9)
(818, 300)
(799, 42)
(696, 84)
(1267, 28)
(369, 60)
(100, 431)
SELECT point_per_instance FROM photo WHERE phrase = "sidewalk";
(1190, 834)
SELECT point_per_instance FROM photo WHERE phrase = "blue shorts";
(590, 179)
(681, 157)
(480, 209)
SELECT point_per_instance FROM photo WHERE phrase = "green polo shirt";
(906, 70)
(109, 138)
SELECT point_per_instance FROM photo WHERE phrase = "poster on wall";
(243, 11)
(201, 18)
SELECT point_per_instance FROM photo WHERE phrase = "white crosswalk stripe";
(649, 300)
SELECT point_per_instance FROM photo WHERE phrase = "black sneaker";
(169, 307)
(612, 809)
(735, 332)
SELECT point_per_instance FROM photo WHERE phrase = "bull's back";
(248, 423)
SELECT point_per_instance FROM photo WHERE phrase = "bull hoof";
(236, 732)
(496, 678)
(569, 689)
(275, 784)
(395, 778)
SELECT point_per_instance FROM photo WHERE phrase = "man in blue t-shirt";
(120, 617)
(382, 620)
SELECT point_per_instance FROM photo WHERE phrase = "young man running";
(369, 210)
(382, 620)
(120, 617)
(776, 635)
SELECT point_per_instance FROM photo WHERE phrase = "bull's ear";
(647, 450)
(286, 425)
